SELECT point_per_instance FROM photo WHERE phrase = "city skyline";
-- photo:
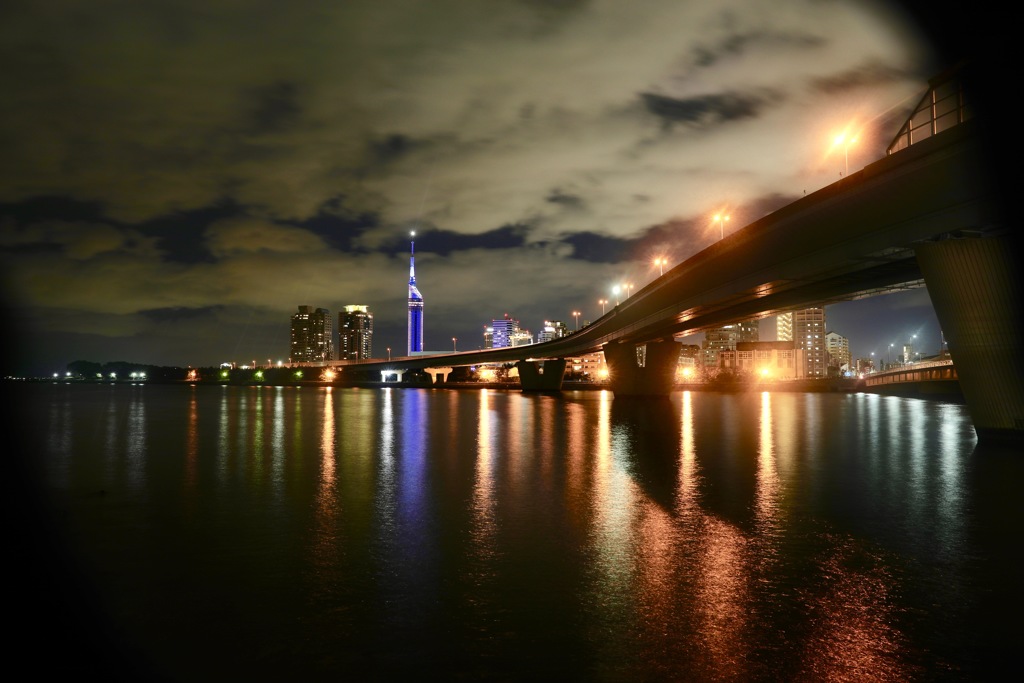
(176, 215)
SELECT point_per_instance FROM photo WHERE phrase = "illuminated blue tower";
(415, 304)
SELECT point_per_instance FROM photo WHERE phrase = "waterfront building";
(415, 338)
(521, 338)
(488, 336)
(355, 333)
(838, 348)
(312, 335)
(725, 338)
(769, 360)
(809, 336)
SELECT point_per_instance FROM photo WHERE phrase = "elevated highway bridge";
(924, 215)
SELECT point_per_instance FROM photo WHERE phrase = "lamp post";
(888, 357)
(576, 314)
(660, 262)
(453, 344)
(615, 291)
(845, 141)
(602, 302)
(389, 353)
(721, 219)
(628, 286)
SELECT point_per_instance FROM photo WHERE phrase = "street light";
(660, 262)
(389, 353)
(576, 314)
(615, 291)
(629, 287)
(721, 220)
(888, 357)
(845, 141)
(602, 302)
(453, 344)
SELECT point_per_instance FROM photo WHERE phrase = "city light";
(453, 345)
(603, 303)
(576, 314)
(660, 262)
(615, 291)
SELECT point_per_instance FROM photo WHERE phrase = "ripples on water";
(305, 533)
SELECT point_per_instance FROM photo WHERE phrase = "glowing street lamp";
(389, 353)
(660, 262)
(629, 287)
(576, 314)
(603, 302)
(615, 291)
(845, 140)
(721, 219)
(453, 344)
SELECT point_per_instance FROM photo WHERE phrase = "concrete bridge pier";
(545, 375)
(438, 372)
(642, 370)
(975, 287)
(384, 374)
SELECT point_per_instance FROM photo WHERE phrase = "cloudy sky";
(178, 176)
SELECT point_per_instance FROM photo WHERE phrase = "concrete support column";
(435, 373)
(384, 374)
(642, 370)
(543, 375)
(975, 287)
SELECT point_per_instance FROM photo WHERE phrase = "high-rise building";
(725, 338)
(809, 335)
(838, 348)
(312, 336)
(488, 337)
(503, 332)
(784, 327)
(415, 305)
(355, 333)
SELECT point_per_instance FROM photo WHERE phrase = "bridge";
(923, 215)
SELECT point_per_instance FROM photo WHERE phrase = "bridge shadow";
(646, 431)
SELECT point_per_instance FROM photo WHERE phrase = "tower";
(355, 333)
(415, 304)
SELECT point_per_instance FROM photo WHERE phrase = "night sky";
(179, 176)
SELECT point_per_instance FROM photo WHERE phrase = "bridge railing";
(942, 107)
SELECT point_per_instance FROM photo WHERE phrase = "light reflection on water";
(491, 534)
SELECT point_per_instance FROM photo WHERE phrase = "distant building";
(809, 336)
(725, 338)
(355, 333)
(488, 337)
(838, 349)
(772, 360)
(865, 365)
(312, 337)
(553, 329)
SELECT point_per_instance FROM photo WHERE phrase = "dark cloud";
(595, 248)
(390, 148)
(738, 44)
(869, 74)
(709, 109)
(445, 242)
(569, 201)
(180, 234)
(338, 227)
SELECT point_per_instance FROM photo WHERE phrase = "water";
(280, 533)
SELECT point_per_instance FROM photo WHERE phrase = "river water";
(194, 533)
